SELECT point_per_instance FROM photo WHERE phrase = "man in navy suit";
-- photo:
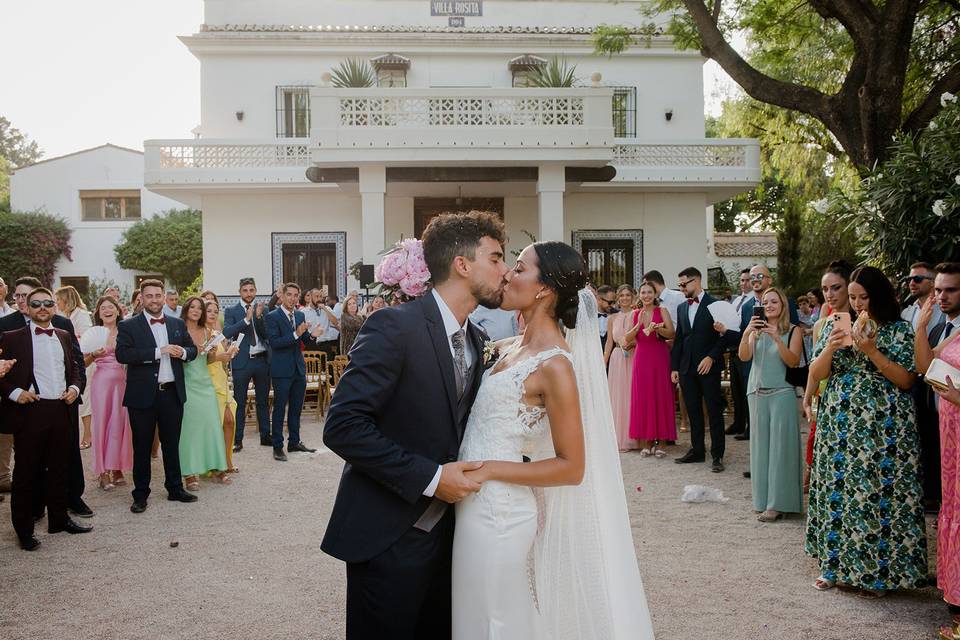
(286, 331)
(75, 485)
(154, 347)
(696, 362)
(246, 318)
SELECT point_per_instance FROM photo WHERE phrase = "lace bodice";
(502, 426)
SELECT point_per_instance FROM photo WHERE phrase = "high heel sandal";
(658, 452)
(192, 483)
(770, 516)
(823, 584)
(118, 479)
(222, 478)
(105, 483)
(950, 631)
(645, 453)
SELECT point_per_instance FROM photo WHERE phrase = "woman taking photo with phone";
(865, 520)
(773, 344)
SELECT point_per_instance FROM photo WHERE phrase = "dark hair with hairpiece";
(458, 234)
(563, 270)
(884, 307)
(840, 268)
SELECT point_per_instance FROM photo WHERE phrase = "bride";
(544, 549)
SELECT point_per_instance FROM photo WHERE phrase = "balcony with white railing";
(709, 160)
(458, 126)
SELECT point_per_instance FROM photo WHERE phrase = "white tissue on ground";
(700, 493)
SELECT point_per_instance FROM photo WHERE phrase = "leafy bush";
(31, 243)
(353, 73)
(170, 243)
(555, 73)
(101, 284)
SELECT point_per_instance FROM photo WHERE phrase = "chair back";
(337, 367)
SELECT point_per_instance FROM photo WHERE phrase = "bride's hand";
(454, 484)
(479, 476)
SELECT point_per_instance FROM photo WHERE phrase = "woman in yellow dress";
(218, 374)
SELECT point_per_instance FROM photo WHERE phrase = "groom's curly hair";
(458, 234)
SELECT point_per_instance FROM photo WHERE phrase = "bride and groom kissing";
(447, 528)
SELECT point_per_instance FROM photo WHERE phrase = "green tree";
(853, 72)
(16, 150)
(170, 243)
(33, 242)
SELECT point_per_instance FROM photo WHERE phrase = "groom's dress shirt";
(159, 331)
(450, 327)
(48, 367)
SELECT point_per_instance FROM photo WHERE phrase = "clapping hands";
(173, 350)
(5, 366)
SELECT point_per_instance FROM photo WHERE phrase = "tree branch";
(858, 17)
(930, 107)
(757, 84)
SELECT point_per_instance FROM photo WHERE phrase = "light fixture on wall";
(668, 114)
(239, 116)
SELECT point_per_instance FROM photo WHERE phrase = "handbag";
(797, 376)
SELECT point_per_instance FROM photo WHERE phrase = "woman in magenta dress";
(112, 444)
(619, 358)
(651, 407)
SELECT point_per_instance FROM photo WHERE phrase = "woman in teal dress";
(865, 520)
(201, 434)
(773, 345)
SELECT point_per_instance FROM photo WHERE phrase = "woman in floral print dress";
(865, 520)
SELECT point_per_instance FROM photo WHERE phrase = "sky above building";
(80, 74)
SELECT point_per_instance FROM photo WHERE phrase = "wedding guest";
(286, 331)
(350, 323)
(112, 439)
(5, 309)
(746, 290)
(223, 355)
(920, 283)
(210, 296)
(942, 343)
(136, 304)
(606, 306)
(738, 374)
(618, 356)
(46, 380)
(70, 305)
(773, 345)
(834, 283)
(322, 322)
(23, 286)
(651, 399)
(865, 521)
(246, 318)
(374, 305)
(816, 302)
(670, 300)
(154, 347)
(497, 323)
(170, 307)
(201, 435)
(696, 362)
(114, 292)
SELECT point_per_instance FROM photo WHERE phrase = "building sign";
(456, 22)
(462, 8)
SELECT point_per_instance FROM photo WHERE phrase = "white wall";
(54, 186)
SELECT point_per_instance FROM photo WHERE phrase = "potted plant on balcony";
(555, 74)
(353, 73)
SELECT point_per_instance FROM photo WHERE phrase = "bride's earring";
(539, 294)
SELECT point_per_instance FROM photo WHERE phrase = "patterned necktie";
(253, 330)
(459, 361)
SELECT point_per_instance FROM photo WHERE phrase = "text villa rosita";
(456, 8)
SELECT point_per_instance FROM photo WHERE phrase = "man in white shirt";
(920, 282)
(669, 298)
(746, 290)
(5, 309)
(42, 386)
(170, 307)
(497, 323)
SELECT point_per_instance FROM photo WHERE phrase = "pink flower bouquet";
(402, 273)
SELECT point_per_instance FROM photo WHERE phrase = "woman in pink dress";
(651, 406)
(112, 444)
(619, 358)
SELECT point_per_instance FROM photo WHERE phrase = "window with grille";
(293, 112)
(110, 205)
(625, 112)
(609, 261)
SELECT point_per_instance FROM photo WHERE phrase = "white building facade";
(299, 180)
(99, 193)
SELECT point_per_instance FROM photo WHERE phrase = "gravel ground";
(248, 564)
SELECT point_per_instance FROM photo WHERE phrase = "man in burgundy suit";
(37, 394)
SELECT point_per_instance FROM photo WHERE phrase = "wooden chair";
(315, 382)
(336, 369)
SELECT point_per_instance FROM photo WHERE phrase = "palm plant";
(353, 73)
(555, 73)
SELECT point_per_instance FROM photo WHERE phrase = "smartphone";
(841, 319)
(760, 312)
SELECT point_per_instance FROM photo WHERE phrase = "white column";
(551, 184)
(373, 186)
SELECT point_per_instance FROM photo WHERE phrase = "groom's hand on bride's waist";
(454, 484)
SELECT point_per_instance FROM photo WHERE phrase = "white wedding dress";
(555, 563)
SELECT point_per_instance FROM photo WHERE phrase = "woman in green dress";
(865, 520)
(201, 433)
(775, 470)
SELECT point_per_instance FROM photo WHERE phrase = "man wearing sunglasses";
(38, 392)
(920, 283)
(22, 288)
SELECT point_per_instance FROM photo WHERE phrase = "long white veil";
(587, 581)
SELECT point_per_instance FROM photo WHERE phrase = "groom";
(397, 419)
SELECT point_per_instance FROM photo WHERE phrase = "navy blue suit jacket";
(137, 348)
(286, 357)
(394, 418)
(693, 343)
(234, 324)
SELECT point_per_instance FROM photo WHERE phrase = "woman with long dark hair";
(865, 520)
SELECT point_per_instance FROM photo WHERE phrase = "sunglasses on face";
(757, 277)
(916, 279)
(36, 304)
(614, 301)
(683, 285)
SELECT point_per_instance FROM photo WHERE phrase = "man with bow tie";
(154, 347)
(247, 318)
(37, 395)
